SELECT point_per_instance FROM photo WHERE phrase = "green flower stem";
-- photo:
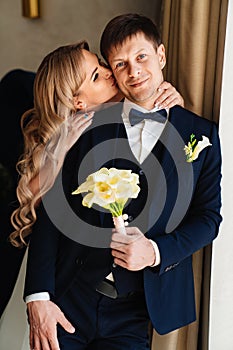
(116, 209)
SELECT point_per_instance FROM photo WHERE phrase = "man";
(177, 212)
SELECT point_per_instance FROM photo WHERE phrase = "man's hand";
(43, 319)
(168, 96)
(132, 251)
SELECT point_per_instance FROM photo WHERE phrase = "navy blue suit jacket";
(181, 213)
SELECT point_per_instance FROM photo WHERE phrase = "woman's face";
(99, 85)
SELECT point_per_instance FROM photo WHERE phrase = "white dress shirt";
(142, 138)
(144, 135)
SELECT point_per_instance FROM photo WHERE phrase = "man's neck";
(146, 106)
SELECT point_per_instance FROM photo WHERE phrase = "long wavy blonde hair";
(45, 129)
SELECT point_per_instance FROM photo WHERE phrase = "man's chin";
(142, 98)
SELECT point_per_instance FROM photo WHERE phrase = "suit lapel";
(175, 170)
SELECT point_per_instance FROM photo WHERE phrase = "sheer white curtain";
(193, 32)
(221, 305)
(13, 325)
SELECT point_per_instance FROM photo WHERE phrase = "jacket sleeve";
(201, 223)
(42, 252)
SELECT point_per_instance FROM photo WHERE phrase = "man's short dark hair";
(125, 26)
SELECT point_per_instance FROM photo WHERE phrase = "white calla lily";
(110, 189)
(193, 149)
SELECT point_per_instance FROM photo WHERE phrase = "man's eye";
(140, 57)
(120, 64)
(96, 76)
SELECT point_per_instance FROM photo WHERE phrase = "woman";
(69, 79)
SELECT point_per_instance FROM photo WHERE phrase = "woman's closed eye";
(96, 75)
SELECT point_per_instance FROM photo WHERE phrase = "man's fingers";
(50, 339)
(31, 339)
(54, 345)
(66, 324)
(36, 343)
(44, 341)
(120, 238)
(45, 345)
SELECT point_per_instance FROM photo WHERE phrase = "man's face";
(138, 69)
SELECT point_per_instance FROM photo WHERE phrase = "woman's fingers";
(168, 96)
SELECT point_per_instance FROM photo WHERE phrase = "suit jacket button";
(130, 218)
(141, 172)
(78, 261)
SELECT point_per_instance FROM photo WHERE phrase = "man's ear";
(162, 55)
(79, 104)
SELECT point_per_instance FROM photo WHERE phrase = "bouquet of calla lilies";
(110, 189)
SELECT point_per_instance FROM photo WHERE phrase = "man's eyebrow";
(117, 59)
(122, 59)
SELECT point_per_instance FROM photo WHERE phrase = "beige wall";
(24, 42)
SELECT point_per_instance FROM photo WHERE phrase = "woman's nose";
(107, 73)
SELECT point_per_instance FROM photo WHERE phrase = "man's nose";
(134, 70)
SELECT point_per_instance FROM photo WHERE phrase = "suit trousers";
(103, 323)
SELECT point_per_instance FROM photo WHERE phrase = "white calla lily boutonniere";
(193, 149)
(110, 189)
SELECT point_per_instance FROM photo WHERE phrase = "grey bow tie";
(136, 116)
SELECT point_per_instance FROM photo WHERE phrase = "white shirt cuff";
(157, 253)
(37, 296)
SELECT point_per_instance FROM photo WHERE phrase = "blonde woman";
(69, 80)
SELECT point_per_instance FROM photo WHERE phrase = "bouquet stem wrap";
(119, 224)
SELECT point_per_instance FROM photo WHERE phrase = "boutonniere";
(110, 189)
(193, 148)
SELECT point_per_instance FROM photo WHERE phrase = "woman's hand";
(168, 96)
(77, 125)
